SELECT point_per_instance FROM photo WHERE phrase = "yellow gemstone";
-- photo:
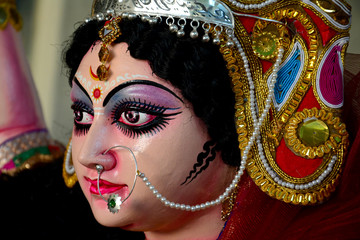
(102, 72)
(104, 54)
(313, 132)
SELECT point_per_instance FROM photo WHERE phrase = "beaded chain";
(251, 6)
(255, 135)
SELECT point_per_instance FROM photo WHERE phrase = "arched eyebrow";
(134, 82)
(76, 81)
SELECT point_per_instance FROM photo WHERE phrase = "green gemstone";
(112, 203)
(337, 139)
(313, 132)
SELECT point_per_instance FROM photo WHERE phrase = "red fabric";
(266, 65)
(294, 165)
(309, 101)
(302, 31)
(325, 31)
(248, 23)
(257, 216)
(290, 163)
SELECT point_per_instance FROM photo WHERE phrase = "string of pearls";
(69, 168)
(284, 183)
(244, 157)
(252, 5)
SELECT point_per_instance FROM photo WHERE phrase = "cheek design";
(208, 155)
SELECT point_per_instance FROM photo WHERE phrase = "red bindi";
(96, 93)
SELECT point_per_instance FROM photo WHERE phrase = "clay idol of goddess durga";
(212, 119)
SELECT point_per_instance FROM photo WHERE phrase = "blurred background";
(48, 24)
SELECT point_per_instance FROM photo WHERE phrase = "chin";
(104, 217)
(109, 219)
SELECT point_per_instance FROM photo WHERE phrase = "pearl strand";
(69, 168)
(254, 135)
(284, 183)
(258, 122)
(251, 6)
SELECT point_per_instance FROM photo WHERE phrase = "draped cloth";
(258, 216)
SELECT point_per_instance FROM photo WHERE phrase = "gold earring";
(68, 171)
(228, 203)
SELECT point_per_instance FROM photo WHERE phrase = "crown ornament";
(176, 13)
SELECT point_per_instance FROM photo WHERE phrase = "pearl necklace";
(255, 134)
(251, 6)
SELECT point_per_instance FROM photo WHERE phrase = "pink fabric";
(331, 78)
(19, 105)
(9, 165)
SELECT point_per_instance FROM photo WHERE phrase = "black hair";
(197, 68)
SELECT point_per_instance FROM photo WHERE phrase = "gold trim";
(311, 196)
(244, 121)
(235, 75)
(228, 203)
(35, 161)
(337, 131)
(334, 15)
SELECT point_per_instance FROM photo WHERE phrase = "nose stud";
(99, 168)
(114, 201)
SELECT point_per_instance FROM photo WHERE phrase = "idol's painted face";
(136, 109)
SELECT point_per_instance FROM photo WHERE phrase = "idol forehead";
(122, 67)
(125, 72)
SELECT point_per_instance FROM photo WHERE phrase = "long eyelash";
(81, 129)
(135, 133)
(149, 129)
(80, 106)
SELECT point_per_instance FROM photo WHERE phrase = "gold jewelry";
(228, 203)
(108, 34)
(68, 170)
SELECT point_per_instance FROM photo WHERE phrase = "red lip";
(105, 186)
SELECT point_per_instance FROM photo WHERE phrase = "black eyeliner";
(158, 123)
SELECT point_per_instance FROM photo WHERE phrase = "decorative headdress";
(285, 59)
